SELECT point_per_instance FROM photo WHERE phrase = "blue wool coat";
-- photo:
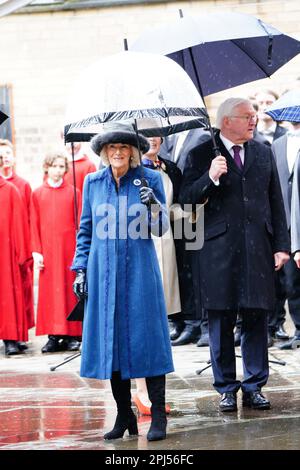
(125, 324)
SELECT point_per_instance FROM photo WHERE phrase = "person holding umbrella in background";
(245, 241)
(125, 330)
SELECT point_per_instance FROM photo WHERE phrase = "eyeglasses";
(248, 118)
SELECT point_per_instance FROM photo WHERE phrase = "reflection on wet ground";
(40, 409)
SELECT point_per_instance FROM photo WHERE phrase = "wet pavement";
(59, 410)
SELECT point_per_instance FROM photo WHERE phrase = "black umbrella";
(220, 50)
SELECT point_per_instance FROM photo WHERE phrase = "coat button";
(246, 199)
(243, 179)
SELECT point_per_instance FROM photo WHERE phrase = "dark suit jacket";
(244, 225)
(194, 137)
(175, 176)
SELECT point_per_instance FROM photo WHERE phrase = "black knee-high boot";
(156, 390)
(126, 419)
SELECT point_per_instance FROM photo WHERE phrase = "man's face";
(264, 100)
(240, 125)
(77, 147)
(7, 158)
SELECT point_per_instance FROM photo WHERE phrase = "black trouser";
(254, 347)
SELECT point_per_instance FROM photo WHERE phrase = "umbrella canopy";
(3, 117)
(221, 50)
(286, 108)
(148, 89)
(8, 6)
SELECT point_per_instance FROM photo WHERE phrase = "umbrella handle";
(144, 183)
(74, 186)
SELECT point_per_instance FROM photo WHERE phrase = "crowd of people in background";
(247, 192)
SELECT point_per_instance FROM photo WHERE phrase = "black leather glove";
(79, 285)
(148, 198)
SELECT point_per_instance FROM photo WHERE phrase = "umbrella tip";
(125, 44)
(180, 13)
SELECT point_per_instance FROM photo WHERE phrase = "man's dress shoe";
(72, 344)
(293, 343)
(11, 348)
(280, 333)
(204, 340)
(186, 337)
(176, 332)
(22, 345)
(256, 400)
(228, 402)
(52, 345)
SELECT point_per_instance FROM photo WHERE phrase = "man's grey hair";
(227, 109)
(134, 159)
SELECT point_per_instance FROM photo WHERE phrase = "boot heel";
(133, 429)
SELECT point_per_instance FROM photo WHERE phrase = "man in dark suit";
(270, 131)
(285, 150)
(245, 241)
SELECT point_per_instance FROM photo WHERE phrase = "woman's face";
(119, 156)
(155, 143)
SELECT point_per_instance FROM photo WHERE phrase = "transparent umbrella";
(149, 90)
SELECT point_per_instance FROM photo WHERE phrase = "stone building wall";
(42, 53)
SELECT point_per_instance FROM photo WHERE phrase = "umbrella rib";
(253, 60)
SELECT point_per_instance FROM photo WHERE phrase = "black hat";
(119, 133)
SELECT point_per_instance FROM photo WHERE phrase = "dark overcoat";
(125, 323)
(244, 225)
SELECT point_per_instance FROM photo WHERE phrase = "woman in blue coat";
(125, 330)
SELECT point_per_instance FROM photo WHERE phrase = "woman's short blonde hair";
(134, 159)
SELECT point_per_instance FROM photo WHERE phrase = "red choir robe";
(25, 191)
(53, 235)
(83, 166)
(14, 255)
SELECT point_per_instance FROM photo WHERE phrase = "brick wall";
(42, 53)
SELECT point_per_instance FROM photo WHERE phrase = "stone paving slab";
(44, 410)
